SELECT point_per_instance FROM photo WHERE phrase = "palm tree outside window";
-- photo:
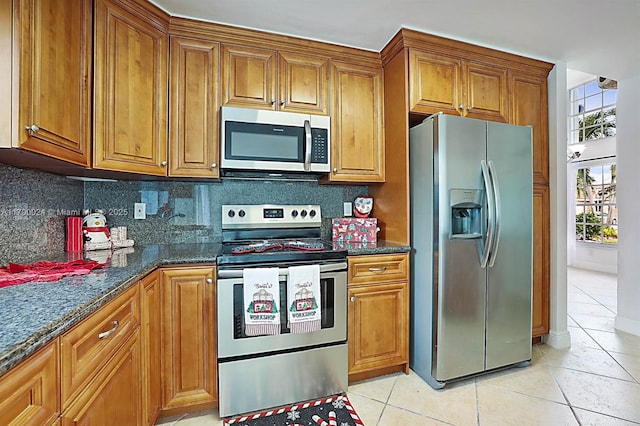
(593, 116)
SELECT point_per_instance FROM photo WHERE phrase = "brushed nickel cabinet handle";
(381, 269)
(34, 128)
(107, 333)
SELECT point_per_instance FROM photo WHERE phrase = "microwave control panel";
(319, 146)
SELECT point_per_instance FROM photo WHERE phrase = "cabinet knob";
(163, 164)
(353, 298)
(214, 165)
(469, 107)
(335, 170)
(273, 101)
(461, 106)
(209, 280)
(281, 103)
(34, 128)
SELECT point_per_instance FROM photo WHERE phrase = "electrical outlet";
(139, 211)
(347, 209)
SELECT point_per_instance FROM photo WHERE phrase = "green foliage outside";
(592, 232)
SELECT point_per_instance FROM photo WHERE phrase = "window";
(592, 112)
(592, 117)
(596, 211)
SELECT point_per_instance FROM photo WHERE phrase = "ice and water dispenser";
(466, 213)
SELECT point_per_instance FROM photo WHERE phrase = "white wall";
(558, 336)
(628, 137)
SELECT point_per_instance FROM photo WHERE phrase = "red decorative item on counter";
(75, 235)
(15, 273)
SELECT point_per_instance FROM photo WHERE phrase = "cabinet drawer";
(378, 268)
(89, 346)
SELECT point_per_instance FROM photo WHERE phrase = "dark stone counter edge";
(22, 350)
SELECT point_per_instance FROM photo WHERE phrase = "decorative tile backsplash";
(34, 205)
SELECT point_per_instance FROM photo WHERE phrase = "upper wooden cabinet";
(357, 138)
(54, 68)
(131, 86)
(30, 393)
(267, 79)
(529, 107)
(193, 110)
(449, 84)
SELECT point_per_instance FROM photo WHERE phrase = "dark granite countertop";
(34, 314)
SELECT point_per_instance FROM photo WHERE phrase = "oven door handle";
(283, 272)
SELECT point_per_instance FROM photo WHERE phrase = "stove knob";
(294, 213)
(312, 213)
(241, 213)
(303, 213)
(231, 213)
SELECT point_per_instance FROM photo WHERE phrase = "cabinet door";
(55, 87)
(529, 106)
(189, 338)
(193, 115)
(115, 396)
(150, 335)
(30, 391)
(131, 85)
(435, 83)
(541, 273)
(378, 326)
(485, 88)
(357, 139)
(303, 83)
(248, 77)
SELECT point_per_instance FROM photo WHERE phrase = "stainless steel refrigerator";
(471, 235)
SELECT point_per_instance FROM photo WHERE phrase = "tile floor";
(595, 382)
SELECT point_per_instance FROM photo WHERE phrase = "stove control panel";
(270, 216)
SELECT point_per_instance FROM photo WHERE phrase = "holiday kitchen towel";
(303, 292)
(261, 301)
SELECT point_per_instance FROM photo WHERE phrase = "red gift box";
(354, 230)
(75, 237)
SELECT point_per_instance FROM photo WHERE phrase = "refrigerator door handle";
(497, 221)
(485, 249)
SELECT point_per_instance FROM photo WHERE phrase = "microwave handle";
(307, 146)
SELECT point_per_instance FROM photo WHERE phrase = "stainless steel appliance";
(253, 139)
(471, 234)
(258, 372)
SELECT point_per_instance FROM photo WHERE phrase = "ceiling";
(597, 37)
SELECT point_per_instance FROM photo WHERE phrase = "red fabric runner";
(15, 273)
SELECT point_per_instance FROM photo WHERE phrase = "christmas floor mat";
(332, 411)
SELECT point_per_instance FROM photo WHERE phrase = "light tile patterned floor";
(595, 382)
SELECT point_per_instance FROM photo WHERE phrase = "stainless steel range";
(279, 363)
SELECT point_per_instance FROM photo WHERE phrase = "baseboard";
(558, 340)
(627, 325)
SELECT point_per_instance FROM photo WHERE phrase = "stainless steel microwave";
(253, 139)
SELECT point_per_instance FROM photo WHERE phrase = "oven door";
(233, 342)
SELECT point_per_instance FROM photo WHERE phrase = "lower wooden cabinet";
(114, 397)
(378, 315)
(150, 335)
(30, 393)
(189, 356)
